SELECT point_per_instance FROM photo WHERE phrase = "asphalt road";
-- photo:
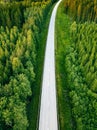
(48, 108)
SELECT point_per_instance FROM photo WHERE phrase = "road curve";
(48, 108)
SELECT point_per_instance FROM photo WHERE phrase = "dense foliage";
(19, 40)
(79, 56)
(17, 55)
(82, 10)
(12, 14)
(81, 69)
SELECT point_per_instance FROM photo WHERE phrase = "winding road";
(48, 107)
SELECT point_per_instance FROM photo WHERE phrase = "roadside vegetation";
(76, 65)
(62, 39)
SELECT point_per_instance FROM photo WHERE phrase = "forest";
(82, 11)
(76, 64)
(80, 62)
(20, 26)
(21, 23)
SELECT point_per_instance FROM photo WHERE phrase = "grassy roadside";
(33, 108)
(62, 40)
